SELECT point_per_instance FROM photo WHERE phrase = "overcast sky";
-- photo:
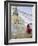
(27, 10)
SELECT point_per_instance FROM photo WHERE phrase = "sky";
(27, 10)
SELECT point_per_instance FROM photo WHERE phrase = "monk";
(29, 30)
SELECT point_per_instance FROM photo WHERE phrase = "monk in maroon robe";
(29, 30)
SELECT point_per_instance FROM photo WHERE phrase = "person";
(29, 30)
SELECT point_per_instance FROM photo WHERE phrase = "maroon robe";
(29, 30)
